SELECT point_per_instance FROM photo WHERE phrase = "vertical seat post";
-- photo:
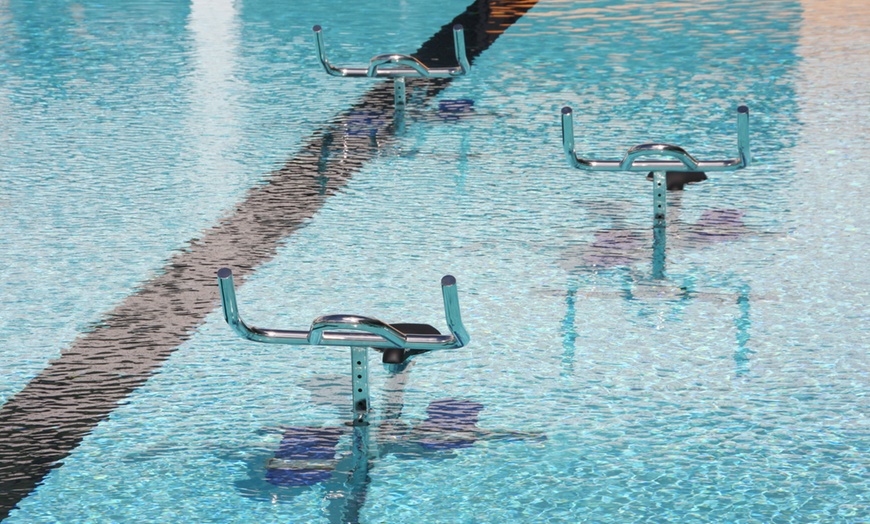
(660, 210)
(360, 382)
(660, 199)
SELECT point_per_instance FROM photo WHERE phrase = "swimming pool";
(144, 143)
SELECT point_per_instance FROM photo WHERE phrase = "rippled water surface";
(144, 145)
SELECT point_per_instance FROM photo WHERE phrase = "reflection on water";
(617, 251)
(625, 245)
(307, 456)
(343, 459)
(743, 323)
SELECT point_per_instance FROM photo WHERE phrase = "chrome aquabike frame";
(398, 67)
(658, 158)
(357, 332)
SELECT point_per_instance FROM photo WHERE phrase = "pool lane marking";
(47, 419)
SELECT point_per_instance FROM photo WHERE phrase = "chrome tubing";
(743, 135)
(318, 335)
(396, 65)
(451, 310)
(348, 330)
(231, 315)
(677, 158)
(417, 66)
(660, 198)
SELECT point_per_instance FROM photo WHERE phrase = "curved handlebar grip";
(348, 330)
(459, 50)
(231, 315)
(678, 158)
(451, 310)
(408, 65)
(321, 53)
(743, 135)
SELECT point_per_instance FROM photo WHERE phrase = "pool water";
(734, 389)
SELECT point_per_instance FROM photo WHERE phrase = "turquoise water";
(735, 390)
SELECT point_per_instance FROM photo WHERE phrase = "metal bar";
(321, 54)
(360, 380)
(661, 150)
(231, 315)
(459, 50)
(659, 251)
(349, 330)
(743, 135)
(452, 314)
(660, 198)
(677, 159)
(354, 323)
(414, 66)
(399, 92)
(397, 65)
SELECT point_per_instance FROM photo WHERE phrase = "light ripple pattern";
(733, 390)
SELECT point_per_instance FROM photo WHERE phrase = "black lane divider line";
(46, 420)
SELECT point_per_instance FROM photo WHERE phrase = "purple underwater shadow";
(309, 455)
(715, 225)
(626, 245)
(450, 424)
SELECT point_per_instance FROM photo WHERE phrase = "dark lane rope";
(46, 420)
